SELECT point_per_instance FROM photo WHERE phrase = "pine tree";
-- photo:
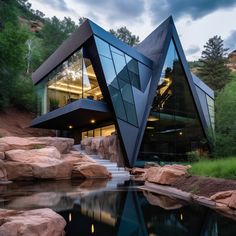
(213, 70)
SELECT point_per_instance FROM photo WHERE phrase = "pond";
(116, 207)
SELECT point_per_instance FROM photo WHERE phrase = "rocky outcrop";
(63, 145)
(2, 155)
(227, 198)
(107, 147)
(44, 158)
(89, 170)
(167, 174)
(43, 222)
(3, 172)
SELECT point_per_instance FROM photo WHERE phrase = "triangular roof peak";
(153, 44)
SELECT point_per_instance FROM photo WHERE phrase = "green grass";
(220, 168)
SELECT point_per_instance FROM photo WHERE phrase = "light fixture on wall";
(70, 127)
(92, 121)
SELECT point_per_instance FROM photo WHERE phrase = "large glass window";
(121, 73)
(173, 127)
(73, 79)
(103, 131)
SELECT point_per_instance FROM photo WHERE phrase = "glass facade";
(121, 73)
(102, 131)
(173, 128)
(73, 79)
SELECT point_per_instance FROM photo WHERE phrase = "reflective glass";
(109, 71)
(173, 128)
(117, 103)
(103, 47)
(120, 66)
(126, 91)
(131, 113)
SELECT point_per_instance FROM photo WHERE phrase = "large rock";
(9, 143)
(166, 175)
(46, 155)
(18, 171)
(76, 156)
(2, 155)
(61, 170)
(45, 163)
(90, 170)
(227, 198)
(63, 145)
(3, 172)
(43, 222)
(107, 147)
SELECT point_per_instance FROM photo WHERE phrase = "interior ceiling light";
(92, 121)
(153, 118)
(150, 127)
(70, 127)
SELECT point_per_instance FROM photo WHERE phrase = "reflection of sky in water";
(95, 207)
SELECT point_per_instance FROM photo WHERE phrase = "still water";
(115, 207)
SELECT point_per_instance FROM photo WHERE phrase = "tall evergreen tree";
(213, 69)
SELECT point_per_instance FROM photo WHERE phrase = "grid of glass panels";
(73, 79)
(121, 73)
(173, 128)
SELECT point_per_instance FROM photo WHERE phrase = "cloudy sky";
(196, 21)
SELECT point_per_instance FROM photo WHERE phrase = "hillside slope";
(14, 122)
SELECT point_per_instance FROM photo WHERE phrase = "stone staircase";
(116, 172)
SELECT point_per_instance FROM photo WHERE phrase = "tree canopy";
(212, 66)
(125, 35)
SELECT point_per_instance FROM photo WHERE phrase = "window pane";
(109, 71)
(126, 91)
(120, 66)
(131, 113)
(117, 103)
(103, 47)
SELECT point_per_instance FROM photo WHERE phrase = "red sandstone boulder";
(18, 171)
(43, 222)
(75, 156)
(2, 155)
(165, 175)
(89, 170)
(63, 145)
(139, 174)
(227, 198)
(46, 155)
(3, 172)
(9, 143)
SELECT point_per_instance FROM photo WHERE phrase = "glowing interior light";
(92, 229)
(181, 216)
(70, 217)
(70, 127)
(92, 121)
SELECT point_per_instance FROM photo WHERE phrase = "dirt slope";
(14, 122)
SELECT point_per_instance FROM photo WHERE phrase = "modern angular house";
(94, 84)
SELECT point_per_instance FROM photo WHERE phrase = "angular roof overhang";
(77, 114)
(76, 41)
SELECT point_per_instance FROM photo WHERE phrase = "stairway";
(116, 172)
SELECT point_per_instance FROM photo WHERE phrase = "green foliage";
(226, 120)
(125, 35)
(220, 168)
(212, 68)
(24, 96)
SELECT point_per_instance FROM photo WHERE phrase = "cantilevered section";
(76, 115)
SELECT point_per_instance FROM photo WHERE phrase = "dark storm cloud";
(57, 4)
(192, 50)
(161, 9)
(230, 42)
(115, 9)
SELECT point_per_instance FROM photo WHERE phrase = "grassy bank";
(220, 168)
